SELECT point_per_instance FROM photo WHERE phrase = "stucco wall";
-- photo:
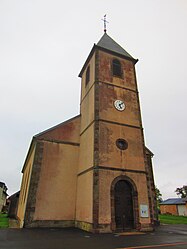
(87, 97)
(111, 156)
(67, 131)
(56, 194)
(106, 178)
(114, 124)
(105, 71)
(87, 117)
(86, 88)
(87, 110)
(86, 149)
(84, 206)
(108, 94)
(25, 186)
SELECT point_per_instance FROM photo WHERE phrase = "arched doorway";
(123, 205)
(124, 201)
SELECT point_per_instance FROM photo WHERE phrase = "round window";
(121, 144)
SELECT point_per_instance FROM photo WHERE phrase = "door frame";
(134, 200)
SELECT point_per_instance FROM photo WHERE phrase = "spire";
(108, 43)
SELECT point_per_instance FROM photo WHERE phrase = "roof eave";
(118, 54)
(29, 152)
(149, 151)
(87, 60)
(105, 50)
(56, 126)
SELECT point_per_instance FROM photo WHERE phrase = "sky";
(43, 46)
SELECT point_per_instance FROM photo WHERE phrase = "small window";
(87, 75)
(121, 144)
(116, 68)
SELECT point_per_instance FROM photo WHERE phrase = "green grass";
(172, 219)
(3, 221)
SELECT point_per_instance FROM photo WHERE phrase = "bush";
(3, 220)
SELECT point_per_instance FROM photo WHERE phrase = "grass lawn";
(3, 221)
(172, 219)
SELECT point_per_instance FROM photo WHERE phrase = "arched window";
(116, 68)
(87, 75)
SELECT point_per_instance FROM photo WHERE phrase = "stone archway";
(124, 204)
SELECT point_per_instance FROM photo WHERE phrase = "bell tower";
(113, 191)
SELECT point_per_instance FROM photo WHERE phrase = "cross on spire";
(105, 22)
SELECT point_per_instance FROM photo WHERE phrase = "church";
(93, 171)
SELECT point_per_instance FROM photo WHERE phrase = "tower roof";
(108, 43)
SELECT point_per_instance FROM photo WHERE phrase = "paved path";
(172, 237)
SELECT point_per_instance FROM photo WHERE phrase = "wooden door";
(123, 206)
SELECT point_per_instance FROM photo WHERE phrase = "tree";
(158, 197)
(182, 192)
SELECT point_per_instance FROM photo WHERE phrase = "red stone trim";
(112, 169)
(96, 148)
(121, 124)
(35, 176)
(51, 223)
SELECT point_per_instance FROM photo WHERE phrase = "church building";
(93, 171)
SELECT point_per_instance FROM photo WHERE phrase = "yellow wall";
(86, 88)
(25, 186)
(87, 110)
(84, 206)
(56, 194)
(86, 157)
(108, 94)
(111, 156)
(86, 149)
(87, 97)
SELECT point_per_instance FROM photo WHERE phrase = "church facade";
(93, 171)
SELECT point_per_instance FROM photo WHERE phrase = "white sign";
(144, 212)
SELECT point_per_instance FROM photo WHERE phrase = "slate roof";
(108, 43)
(174, 201)
(149, 151)
(14, 195)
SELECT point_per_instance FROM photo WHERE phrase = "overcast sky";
(43, 46)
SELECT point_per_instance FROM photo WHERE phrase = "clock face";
(119, 105)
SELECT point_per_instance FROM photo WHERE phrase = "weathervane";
(105, 22)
